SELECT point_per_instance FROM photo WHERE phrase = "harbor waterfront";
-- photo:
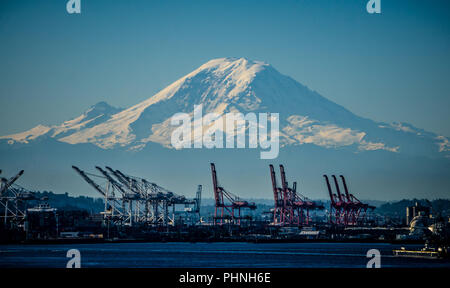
(194, 144)
(212, 255)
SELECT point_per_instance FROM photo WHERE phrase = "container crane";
(227, 203)
(291, 208)
(345, 209)
(13, 201)
(359, 209)
(111, 202)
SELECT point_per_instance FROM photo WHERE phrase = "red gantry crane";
(345, 209)
(226, 203)
(291, 208)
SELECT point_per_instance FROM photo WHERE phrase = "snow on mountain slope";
(240, 85)
(309, 131)
(93, 116)
(25, 137)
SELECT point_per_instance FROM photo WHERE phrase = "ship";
(426, 252)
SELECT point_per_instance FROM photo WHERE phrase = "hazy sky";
(389, 67)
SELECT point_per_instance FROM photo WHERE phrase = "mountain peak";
(234, 61)
(101, 105)
(230, 64)
(101, 108)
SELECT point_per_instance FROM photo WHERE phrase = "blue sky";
(389, 67)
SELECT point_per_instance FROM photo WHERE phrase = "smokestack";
(408, 216)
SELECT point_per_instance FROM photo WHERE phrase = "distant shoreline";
(254, 241)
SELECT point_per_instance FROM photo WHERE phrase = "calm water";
(234, 255)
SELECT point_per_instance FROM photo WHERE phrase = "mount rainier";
(312, 128)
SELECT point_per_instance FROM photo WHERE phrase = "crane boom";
(349, 199)
(8, 183)
(329, 190)
(337, 188)
(89, 180)
(284, 183)
(274, 183)
(215, 185)
(110, 179)
(122, 178)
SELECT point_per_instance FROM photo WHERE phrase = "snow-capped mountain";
(239, 85)
(380, 160)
